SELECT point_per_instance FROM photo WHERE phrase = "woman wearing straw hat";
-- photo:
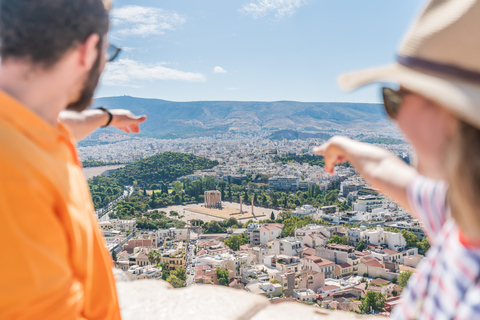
(438, 109)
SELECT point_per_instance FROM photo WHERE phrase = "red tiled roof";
(319, 261)
(309, 252)
(326, 288)
(344, 265)
(361, 254)
(272, 227)
(390, 252)
(379, 281)
(374, 288)
(374, 263)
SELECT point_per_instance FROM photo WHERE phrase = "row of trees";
(104, 190)
(304, 158)
(219, 226)
(136, 207)
(96, 163)
(192, 191)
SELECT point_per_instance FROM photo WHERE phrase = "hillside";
(164, 167)
(294, 135)
(169, 119)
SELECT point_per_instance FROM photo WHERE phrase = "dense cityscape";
(261, 215)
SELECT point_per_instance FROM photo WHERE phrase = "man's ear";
(89, 51)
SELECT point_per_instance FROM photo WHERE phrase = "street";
(103, 213)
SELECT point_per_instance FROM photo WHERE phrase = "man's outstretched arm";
(85, 122)
(382, 169)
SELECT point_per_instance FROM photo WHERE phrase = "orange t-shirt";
(54, 263)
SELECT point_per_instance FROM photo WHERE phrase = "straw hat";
(438, 59)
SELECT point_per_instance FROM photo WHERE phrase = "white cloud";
(128, 49)
(280, 8)
(218, 69)
(127, 72)
(145, 21)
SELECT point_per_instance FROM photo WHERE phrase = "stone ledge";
(294, 310)
(157, 299)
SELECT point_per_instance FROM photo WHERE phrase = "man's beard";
(86, 95)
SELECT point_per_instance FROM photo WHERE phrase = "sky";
(251, 50)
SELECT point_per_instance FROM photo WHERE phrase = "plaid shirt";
(445, 285)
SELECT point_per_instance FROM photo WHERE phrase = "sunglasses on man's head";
(392, 100)
(112, 53)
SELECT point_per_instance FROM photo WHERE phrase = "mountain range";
(168, 119)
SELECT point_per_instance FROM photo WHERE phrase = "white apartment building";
(270, 232)
(287, 246)
(387, 255)
(367, 204)
(289, 183)
(306, 210)
(312, 228)
(304, 294)
(355, 235)
(283, 263)
(215, 261)
(239, 260)
(253, 233)
(314, 235)
(380, 237)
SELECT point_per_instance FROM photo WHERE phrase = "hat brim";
(461, 97)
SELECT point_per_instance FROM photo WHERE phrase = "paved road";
(103, 213)
(119, 248)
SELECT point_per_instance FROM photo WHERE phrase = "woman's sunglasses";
(392, 100)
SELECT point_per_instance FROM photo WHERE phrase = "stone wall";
(157, 299)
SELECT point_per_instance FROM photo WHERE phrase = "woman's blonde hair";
(463, 174)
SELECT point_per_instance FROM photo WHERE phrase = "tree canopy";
(403, 278)
(338, 240)
(178, 278)
(104, 190)
(361, 246)
(164, 167)
(235, 241)
(223, 276)
(372, 301)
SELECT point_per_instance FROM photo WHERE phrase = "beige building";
(373, 268)
(124, 225)
(213, 199)
(317, 264)
(139, 258)
(339, 254)
(310, 280)
(174, 259)
(343, 270)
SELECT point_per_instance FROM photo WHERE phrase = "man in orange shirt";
(54, 264)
